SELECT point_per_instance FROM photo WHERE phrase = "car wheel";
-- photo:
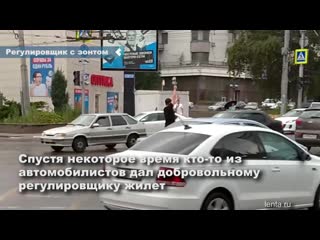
(316, 202)
(57, 148)
(132, 139)
(111, 146)
(217, 201)
(79, 144)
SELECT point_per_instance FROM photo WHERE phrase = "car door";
(152, 123)
(251, 193)
(292, 178)
(120, 128)
(101, 134)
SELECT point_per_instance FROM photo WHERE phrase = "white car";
(219, 106)
(154, 121)
(269, 103)
(289, 120)
(289, 175)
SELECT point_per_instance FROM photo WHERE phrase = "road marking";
(10, 207)
(52, 207)
(41, 196)
(8, 193)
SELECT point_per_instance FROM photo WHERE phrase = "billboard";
(112, 102)
(41, 73)
(78, 102)
(134, 50)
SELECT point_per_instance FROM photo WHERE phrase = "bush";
(9, 109)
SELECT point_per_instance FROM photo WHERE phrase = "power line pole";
(284, 78)
(300, 85)
(84, 79)
(25, 100)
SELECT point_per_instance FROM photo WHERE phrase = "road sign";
(301, 56)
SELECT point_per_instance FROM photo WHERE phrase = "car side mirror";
(305, 156)
(95, 125)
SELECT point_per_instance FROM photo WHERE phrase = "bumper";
(51, 141)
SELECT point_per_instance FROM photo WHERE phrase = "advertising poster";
(112, 102)
(41, 73)
(130, 50)
(78, 102)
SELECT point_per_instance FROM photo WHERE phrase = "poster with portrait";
(135, 50)
(112, 102)
(78, 102)
(41, 73)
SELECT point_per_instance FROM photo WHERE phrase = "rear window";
(310, 114)
(225, 115)
(293, 113)
(171, 142)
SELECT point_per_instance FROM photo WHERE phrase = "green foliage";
(148, 81)
(38, 105)
(59, 95)
(9, 109)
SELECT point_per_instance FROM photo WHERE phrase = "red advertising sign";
(99, 80)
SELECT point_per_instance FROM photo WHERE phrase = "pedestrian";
(178, 107)
(169, 115)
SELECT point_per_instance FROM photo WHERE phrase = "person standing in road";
(169, 115)
(178, 107)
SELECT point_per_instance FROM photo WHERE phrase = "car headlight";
(60, 135)
(43, 134)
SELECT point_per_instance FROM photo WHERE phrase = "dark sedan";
(254, 115)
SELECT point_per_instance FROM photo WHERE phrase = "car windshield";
(83, 120)
(293, 113)
(139, 116)
(171, 142)
(224, 115)
(310, 114)
(315, 105)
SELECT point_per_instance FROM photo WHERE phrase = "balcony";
(200, 46)
(188, 64)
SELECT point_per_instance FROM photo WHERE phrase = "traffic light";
(76, 78)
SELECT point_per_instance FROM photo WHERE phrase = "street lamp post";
(83, 82)
(174, 82)
(234, 86)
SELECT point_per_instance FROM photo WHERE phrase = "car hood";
(65, 129)
(286, 119)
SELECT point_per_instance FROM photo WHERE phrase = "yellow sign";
(301, 56)
(83, 35)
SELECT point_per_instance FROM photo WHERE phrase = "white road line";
(53, 207)
(41, 196)
(8, 193)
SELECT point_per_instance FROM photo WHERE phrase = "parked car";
(251, 106)
(315, 105)
(154, 121)
(289, 120)
(269, 103)
(95, 129)
(191, 105)
(254, 115)
(291, 105)
(219, 106)
(289, 173)
(308, 128)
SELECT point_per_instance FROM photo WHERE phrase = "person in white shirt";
(38, 89)
(178, 107)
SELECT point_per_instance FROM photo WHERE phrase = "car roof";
(104, 114)
(216, 129)
(225, 120)
(246, 111)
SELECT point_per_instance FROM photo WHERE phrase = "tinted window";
(84, 120)
(118, 121)
(310, 114)
(150, 117)
(129, 119)
(277, 147)
(244, 144)
(254, 116)
(103, 121)
(293, 113)
(160, 116)
(171, 142)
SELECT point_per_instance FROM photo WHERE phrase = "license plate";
(309, 136)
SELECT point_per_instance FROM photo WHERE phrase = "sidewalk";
(24, 136)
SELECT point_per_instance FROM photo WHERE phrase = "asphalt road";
(11, 198)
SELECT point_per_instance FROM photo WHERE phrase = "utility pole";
(84, 79)
(300, 85)
(284, 78)
(25, 100)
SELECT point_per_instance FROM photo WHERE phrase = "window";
(129, 119)
(254, 116)
(310, 114)
(161, 117)
(171, 142)
(243, 144)
(118, 121)
(150, 117)
(164, 38)
(96, 103)
(200, 35)
(103, 121)
(277, 147)
(200, 57)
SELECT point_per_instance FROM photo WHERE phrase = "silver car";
(106, 129)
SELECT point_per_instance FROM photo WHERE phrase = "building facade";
(197, 59)
(103, 86)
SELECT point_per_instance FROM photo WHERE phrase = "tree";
(59, 95)
(148, 80)
(259, 53)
